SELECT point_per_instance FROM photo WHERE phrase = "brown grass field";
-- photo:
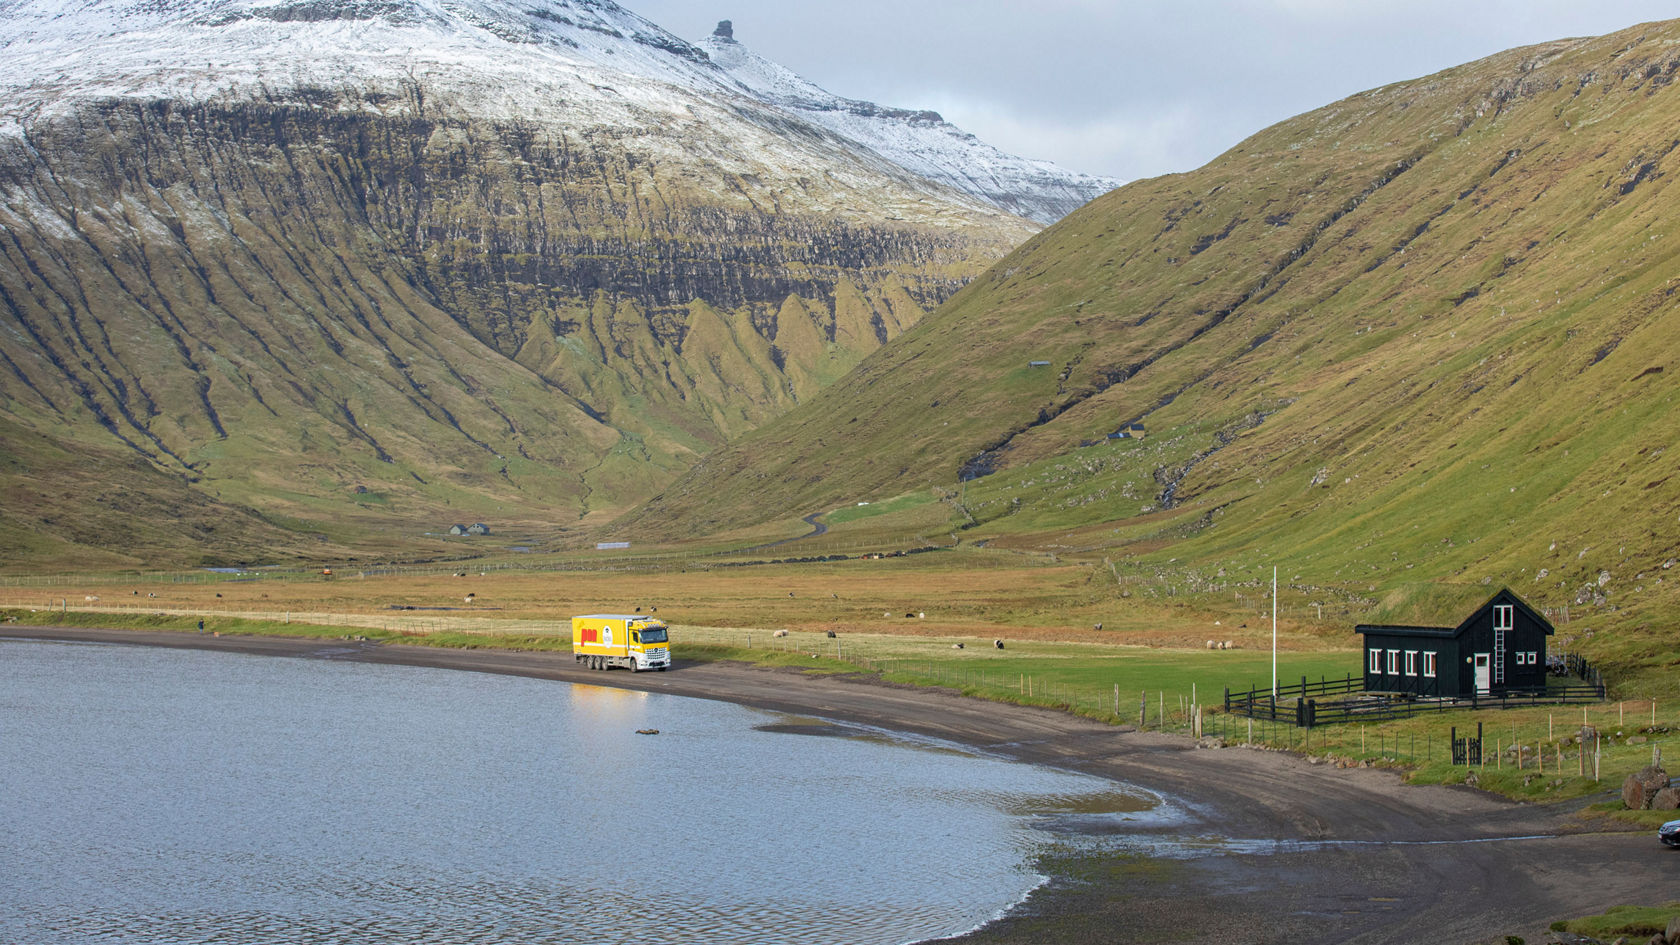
(1009, 597)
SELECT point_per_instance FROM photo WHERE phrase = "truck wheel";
(633, 667)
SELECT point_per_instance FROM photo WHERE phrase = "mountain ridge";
(446, 255)
(917, 139)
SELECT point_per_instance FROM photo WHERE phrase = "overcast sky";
(1130, 88)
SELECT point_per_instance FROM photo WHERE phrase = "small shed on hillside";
(1131, 431)
(457, 529)
(1499, 648)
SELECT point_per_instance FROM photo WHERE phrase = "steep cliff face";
(305, 287)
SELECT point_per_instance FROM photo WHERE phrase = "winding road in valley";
(1264, 846)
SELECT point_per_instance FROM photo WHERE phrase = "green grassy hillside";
(1421, 336)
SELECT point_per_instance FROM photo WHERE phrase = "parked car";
(1669, 833)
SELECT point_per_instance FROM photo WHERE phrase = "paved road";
(1280, 850)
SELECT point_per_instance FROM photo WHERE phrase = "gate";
(1467, 750)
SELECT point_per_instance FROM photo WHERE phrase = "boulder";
(1674, 930)
(1667, 799)
(1640, 787)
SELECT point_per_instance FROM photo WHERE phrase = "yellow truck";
(602, 641)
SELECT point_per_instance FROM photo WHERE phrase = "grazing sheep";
(956, 646)
(1211, 645)
(1097, 627)
(779, 633)
(998, 644)
(831, 634)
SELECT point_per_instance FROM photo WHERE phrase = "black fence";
(1284, 705)
(1300, 705)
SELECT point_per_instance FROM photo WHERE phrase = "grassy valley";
(1405, 349)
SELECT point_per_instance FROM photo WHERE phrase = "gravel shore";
(1265, 846)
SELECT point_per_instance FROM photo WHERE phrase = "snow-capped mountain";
(600, 63)
(535, 255)
(585, 65)
(919, 140)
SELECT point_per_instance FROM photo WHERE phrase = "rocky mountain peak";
(725, 31)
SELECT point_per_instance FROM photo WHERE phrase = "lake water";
(164, 796)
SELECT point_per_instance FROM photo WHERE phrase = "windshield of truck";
(654, 635)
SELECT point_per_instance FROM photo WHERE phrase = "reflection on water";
(178, 797)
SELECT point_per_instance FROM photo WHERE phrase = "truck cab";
(650, 645)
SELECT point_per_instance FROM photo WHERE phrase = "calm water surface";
(164, 796)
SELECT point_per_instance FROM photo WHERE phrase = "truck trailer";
(602, 641)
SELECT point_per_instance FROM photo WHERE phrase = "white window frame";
(1393, 662)
(1429, 664)
(1504, 616)
(1376, 661)
(1411, 662)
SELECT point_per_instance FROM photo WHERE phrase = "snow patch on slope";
(584, 65)
(919, 140)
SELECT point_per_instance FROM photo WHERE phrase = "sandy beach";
(1281, 850)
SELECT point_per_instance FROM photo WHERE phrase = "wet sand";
(1273, 849)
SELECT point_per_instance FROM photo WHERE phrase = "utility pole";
(1274, 635)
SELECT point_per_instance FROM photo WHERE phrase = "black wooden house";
(1499, 648)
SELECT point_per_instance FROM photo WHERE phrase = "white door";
(1484, 674)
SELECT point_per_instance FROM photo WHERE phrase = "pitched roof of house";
(1505, 595)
